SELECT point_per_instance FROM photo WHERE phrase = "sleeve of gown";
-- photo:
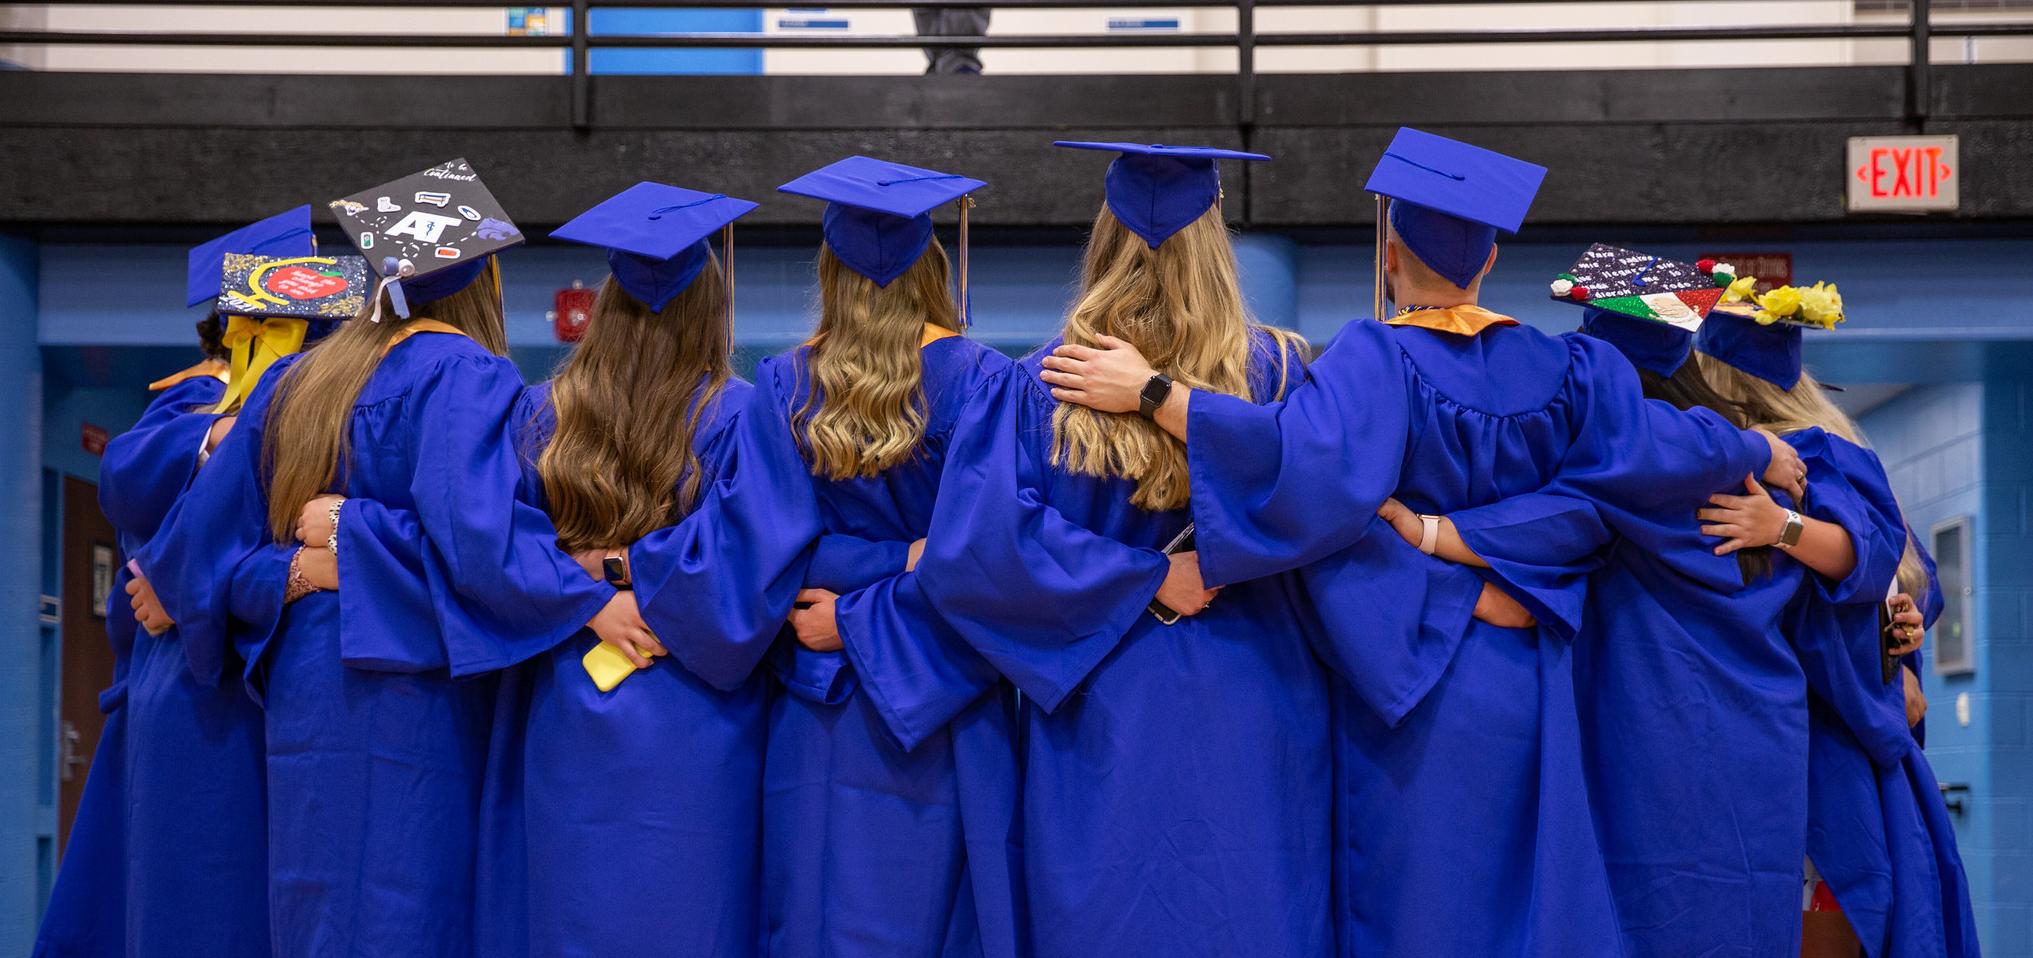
(1541, 549)
(1847, 485)
(717, 586)
(842, 563)
(213, 563)
(1041, 598)
(147, 467)
(1633, 455)
(502, 588)
(1390, 653)
(1262, 501)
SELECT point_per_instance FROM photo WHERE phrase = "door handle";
(72, 758)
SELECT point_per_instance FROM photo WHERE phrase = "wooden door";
(90, 557)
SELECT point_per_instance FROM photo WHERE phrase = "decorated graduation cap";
(297, 287)
(878, 214)
(284, 234)
(656, 236)
(1158, 190)
(1449, 201)
(1643, 286)
(1760, 334)
(432, 231)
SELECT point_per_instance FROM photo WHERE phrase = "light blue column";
(1269, 267)
(21, 695)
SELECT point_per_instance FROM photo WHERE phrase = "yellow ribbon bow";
(256, 344)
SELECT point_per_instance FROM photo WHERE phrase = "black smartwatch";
(1155, 392)
(615, 570)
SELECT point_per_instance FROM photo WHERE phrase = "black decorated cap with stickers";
(1642, 286)
(298, 287)
(427, 223)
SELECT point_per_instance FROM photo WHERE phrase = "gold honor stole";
(419, 326)
(210, 367)
(1459, 320)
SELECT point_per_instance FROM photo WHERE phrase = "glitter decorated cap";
(1641, 286)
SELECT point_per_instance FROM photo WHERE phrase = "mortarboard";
(1157, 190)
(1451, 198)
(1653, 346)
(295, 287)
(432, 230)
(877, 213)
(655, 236)
(1761, 334)
(1643, 286)
(284, 234)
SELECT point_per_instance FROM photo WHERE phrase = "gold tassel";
(727, 269)
(966, 302)
(1377, 273)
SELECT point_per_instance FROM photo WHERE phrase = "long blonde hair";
(629, 401)
(865, 411)
(1804, 406)
(305, 448)
(1182, 307)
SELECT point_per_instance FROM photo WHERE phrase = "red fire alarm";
(571, 309)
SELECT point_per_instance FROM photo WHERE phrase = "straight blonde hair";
(629, 401)
(1181, 306)
(865, 411)
(305, 448)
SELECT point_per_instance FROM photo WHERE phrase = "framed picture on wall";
(1953, 638)
(102, 577)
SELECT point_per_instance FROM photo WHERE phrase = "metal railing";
(1246, 40)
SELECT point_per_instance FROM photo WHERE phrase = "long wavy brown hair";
(865, 411)
(629, 401)
(305, 448)
(1181, 306)
(1790, 410)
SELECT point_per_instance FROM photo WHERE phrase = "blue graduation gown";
(884, 839)
(656, 785)
(1177, 796)
(169, 844)
(1878, 830)
(1463, 810)
(376, 736)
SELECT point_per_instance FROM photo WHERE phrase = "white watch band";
(1429, 533)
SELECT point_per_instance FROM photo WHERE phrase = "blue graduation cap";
(1769, 351)
(284, 234)
(1452, 198)
(655, 236)
(1655, 347)
(1157, 190)
(877, 214)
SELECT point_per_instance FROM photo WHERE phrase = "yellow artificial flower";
(1778, 304)
(1740, 290)
(1821, 305)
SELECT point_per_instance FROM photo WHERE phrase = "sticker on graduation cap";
(1639, 285)
(302, 287)
(427, 221)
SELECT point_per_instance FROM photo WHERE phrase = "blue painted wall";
(24, 701)
(640, 22)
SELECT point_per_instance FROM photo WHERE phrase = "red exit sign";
(1904, 174)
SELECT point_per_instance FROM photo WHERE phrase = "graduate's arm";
(1756, 519)
(1042, 599)
(502, 588)
(719, 583)
(1539, 549)
(842, 563)
(1637, 455)
(144, 469)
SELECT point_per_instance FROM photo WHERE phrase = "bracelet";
(1429, 533)
(297, 585)
(332, 542)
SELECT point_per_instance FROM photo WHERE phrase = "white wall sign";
(1904, 174)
